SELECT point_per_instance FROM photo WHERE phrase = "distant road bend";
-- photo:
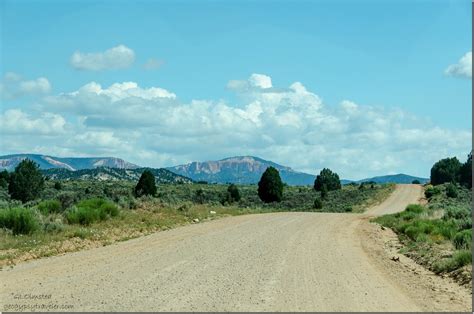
(264, 262)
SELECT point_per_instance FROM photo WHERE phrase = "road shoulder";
(428, 290)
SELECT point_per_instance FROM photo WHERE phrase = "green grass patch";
(19, 220)
(92, 210)
(82, 233)
(49, 206)
(415, 208)
(463, 239)
(458, 260)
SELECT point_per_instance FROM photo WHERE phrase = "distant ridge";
(9, 162)
(241, 170)
(114, 174)
(395, 178)
(248, 170)
(238, 169)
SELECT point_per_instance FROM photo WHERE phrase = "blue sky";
(382, 56)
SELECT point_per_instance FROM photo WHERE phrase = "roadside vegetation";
(439, 234)
(44, 217)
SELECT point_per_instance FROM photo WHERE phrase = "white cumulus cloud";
(463, 68)
(289, 125)
(14, 86)
(40, 85)
(103, 139)
(260, 80)
(15, 121)
(119, 91)
(254, 82)
(118, 57)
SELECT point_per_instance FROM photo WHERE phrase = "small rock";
(382, 227)
(212, 212)
(395, 258)
(196, 220)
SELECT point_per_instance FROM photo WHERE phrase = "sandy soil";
(266, 262)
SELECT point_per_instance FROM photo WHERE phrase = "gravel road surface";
(261, 262)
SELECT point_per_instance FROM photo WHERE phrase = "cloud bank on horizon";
(290, 125)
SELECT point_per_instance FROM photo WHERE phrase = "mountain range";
(249, 169)
(114, 174)
(239, 169)
(9, 162)
(395, 178)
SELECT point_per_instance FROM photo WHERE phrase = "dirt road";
(267, 262)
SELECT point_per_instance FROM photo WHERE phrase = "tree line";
(451, 170)
(26, 182)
